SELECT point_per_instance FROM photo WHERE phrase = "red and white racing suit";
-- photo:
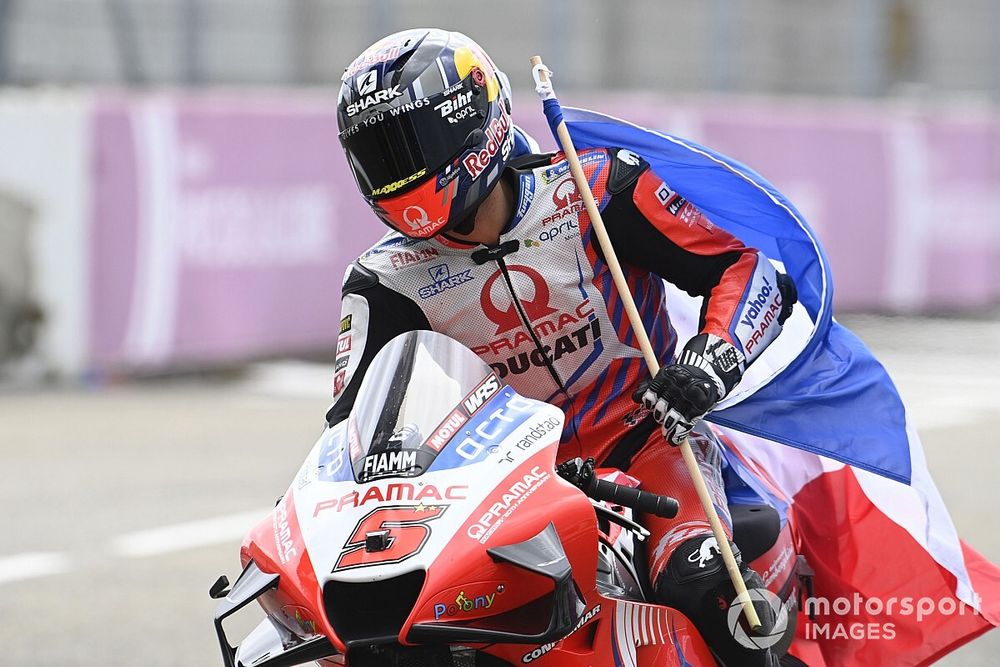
(541, 309)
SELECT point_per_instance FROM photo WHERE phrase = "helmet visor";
(395, 148)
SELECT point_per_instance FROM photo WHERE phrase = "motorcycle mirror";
(220, 588)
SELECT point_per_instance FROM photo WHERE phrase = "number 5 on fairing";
(408, 533)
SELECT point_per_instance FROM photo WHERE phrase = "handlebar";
(581, 474)
(637, 499)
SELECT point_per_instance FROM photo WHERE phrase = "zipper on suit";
(549, 364)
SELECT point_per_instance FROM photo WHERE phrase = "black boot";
(697, 583)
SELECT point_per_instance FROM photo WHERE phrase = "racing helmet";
(424, 118)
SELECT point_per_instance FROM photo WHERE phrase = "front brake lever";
(614, 517)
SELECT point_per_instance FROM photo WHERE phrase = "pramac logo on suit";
(577, 328)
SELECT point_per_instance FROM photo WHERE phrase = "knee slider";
(694, 571)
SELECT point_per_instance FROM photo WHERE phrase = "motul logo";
(447, 430)
(477, 398)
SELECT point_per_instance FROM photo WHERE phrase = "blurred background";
(176, 216)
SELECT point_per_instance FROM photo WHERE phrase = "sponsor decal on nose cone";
(465, 605)
(383, 462)
(283, 534)
(511, 499)
(446, 431)
(398, 491)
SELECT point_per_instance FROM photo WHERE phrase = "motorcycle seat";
(755, 529)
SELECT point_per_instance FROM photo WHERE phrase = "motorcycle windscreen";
(412, 402)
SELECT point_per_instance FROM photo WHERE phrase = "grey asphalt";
(79, 468)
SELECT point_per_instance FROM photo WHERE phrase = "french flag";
(852, 478)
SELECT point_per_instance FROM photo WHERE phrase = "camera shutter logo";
(751, 640)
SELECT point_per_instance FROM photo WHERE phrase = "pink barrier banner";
(222, 228)
(222, 224)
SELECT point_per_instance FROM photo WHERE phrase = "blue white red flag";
(856, 485)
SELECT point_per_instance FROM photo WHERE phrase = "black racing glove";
(681, 394)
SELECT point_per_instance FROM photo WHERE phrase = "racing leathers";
(541, 309)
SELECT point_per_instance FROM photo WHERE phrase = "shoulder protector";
(358, 278)
(625, 169)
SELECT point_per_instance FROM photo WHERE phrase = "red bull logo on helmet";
(499, 139)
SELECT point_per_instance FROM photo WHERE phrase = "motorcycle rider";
(491, 245)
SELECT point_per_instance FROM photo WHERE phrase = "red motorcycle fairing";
(485, 545)
(623, 633)
(610, 631)
(777, 566)
(275, 545)
(545, 499)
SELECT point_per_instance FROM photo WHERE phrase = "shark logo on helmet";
(367, 83)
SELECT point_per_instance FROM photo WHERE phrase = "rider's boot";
(696, 582)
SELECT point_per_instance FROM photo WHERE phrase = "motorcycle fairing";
(505, 496)
(542, 554)
(504, 452)
(330, 508)
(619, 633)
(268, 645)
(282, 647)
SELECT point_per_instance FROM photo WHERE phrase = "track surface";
(122, 505)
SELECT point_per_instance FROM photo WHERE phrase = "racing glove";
(682, 393)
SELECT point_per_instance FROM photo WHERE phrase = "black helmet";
(424, 119)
